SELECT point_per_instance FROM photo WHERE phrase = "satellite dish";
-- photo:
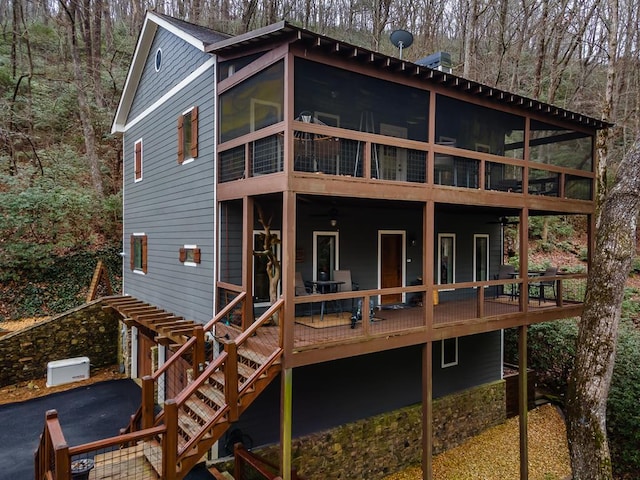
(401, 39)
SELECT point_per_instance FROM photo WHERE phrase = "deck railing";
(336, 318)
(336, 151)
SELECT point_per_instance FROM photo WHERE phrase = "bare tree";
(273, 268)
(83, 104)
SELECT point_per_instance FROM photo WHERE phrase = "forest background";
(63, 65)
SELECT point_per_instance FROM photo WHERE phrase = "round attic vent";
(158, 59)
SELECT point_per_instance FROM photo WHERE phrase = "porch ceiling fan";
(504, 221)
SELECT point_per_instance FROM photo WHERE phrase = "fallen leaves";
(494, 454)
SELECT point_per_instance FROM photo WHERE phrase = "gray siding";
(179, 59)
(173, 204)
(331, 394)
(359, 241)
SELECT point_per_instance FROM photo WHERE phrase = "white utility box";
(67, 371)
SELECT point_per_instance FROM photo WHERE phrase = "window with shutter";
(137, 161)
(190, 255)
(188, 135)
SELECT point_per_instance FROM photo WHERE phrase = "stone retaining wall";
(378, 446)
(87, 331)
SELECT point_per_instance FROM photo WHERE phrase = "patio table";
(326, 286)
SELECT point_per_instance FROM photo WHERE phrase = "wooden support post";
(523, 402)
(523, 253)
(247, 260)
(427, 411)
(199, 351)
(148, 402)
(286, 422)
(170, 441)
(231, 380)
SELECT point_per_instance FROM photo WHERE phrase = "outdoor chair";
(505, 272)
(301, 289)
(543, 284)
(348, 285)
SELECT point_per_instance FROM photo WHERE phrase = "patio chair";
(505, 272)
(347, 286)
(541, 285)
(302, 289)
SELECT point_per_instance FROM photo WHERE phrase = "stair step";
(252, 358)
(202, 410)
(189, 425)
(212, 394)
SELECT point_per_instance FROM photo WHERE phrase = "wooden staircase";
(170, 443)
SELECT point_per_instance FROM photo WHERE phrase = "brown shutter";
(144, 254)
(180, 139)
(183, 254)
(196, 255)
(138, 160)
(194, 132)
(132, 255)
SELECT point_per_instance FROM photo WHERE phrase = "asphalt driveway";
(86, 414)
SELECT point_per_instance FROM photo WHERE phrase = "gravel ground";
(494, 454)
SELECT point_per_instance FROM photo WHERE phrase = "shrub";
(623, 419)
(551, 353)
(60, 286)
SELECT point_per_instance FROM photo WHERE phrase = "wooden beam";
(427, 411)
(523, 402)
(286, 422)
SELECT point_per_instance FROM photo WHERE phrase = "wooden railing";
(193, 352)
(243, 458)
(53, 459)
(332, 147)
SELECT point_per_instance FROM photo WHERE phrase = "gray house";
(304, 210)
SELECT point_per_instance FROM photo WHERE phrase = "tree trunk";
(83, 105)
(595, 354)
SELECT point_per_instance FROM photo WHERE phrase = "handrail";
(204, 376)
(174, 358)
(258, 323)
(118, 439)
(223, 313)
(258, 462)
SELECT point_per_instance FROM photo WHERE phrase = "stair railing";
(54, 458)
(271, 338)
(193, 351)
(259, 464)
(227, 361)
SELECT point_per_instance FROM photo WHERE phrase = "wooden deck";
(336, 328)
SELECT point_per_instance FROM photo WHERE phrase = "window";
(265, 91)
(449, 347)
(137, 161)
(188, 135)
(139, 252)
(480, 257)
(190, 255)
(325, 255)
(446, 258)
